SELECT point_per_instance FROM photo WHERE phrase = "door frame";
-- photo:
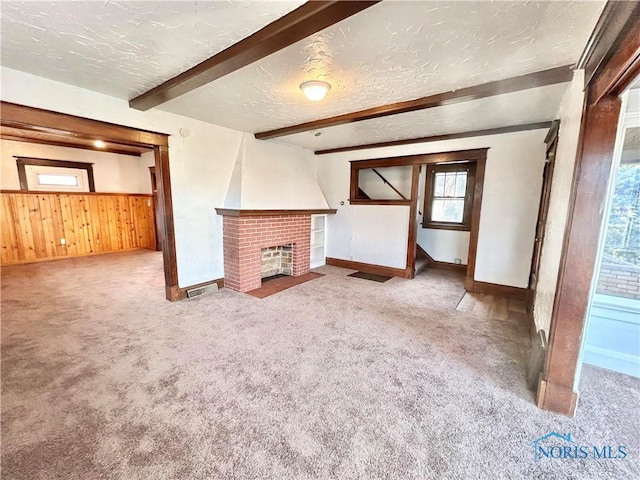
(611, 63)
(30, 118)
(480, 162)
(551, 140)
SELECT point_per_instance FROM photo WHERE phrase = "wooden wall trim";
(607, 36)
(302, 22)
(231, 212)
(590, 183)
(424, 158)
(21, 162)
(516, 293)
(165, 204)
(362, 201)
(622, 67)
(439, 138)
(368, 267)
(60, 143)
(21, 116)
(410, 269)
(499, 87)
(51, 192)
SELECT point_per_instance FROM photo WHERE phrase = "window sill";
(447, 226)
(378, 202)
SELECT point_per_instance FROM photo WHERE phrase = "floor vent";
(195, 292)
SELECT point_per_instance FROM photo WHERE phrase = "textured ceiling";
(390, 52)
(526, 106)
(396, 51)
(125, 48)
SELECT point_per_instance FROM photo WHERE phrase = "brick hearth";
(246, 236)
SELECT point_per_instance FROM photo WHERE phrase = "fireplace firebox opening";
(277, 262)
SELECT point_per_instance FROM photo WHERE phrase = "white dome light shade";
(315, 90)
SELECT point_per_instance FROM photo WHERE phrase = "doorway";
(545, 194)
(32, 124)
(612, 329)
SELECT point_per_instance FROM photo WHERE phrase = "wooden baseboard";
(556, 398)
(458, 267)
(368, 267)
(66, 257)
(180, 293)
(516, 293)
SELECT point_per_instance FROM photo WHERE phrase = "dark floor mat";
(370, 276)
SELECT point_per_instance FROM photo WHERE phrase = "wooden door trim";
(551, 140)
(556, 389)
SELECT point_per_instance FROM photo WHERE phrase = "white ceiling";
(396, 51)
(125, 48)
(525, 106)
(390, 52)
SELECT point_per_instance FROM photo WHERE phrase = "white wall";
(273, 176)
(112, 172)
(375, 187)
(445, 245)
(570, 115)
(201, 164)
(513, 179)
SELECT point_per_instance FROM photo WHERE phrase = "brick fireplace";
(247, 233)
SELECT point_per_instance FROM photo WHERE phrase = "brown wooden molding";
(165, 206)
(438, 138)
(363, 201)
(607, 36)
(30, 118)
(21, 162)
(431, 262)
(368, 267)
(182, 292)
(454, 156)
(230, 212)
(516, 293)
(623, 65)
(412, 240)
(302, 22)
(499, 87)
(55, 192)
(56, 143)
(447, 266)
(556, 398)
(588, 192)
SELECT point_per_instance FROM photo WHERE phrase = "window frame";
(432, 169)
(21, 162)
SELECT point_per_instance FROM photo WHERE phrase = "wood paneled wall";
(33, 224)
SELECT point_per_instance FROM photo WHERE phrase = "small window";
(45, 179)
(37, 174)
(449, 196)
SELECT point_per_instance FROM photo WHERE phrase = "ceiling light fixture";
(315, 90)
(99, 144)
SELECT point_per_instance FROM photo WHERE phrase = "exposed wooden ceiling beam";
(437, 138)
(304, 21)
(30, 118)
(56, 143)
(499, 87)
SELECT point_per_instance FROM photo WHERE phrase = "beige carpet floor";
(337, 378)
